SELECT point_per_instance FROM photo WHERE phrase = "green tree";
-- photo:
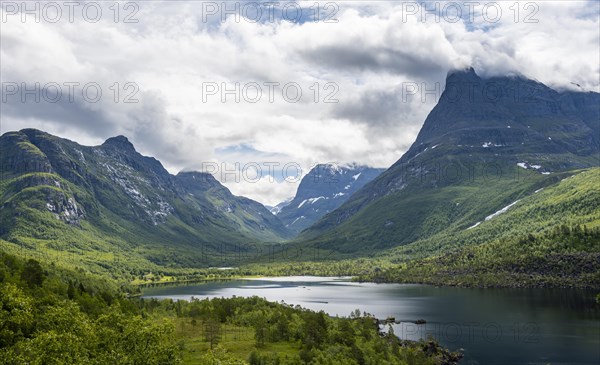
(33, 274)
(16, 314)
(212, 331)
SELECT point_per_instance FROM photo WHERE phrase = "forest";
(565, 256)
(50, 315)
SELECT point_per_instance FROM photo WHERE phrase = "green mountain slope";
(108, 201)
(549, 238)
(477, 152)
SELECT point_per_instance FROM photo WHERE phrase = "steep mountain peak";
(119, 142)
(510, 108)
(469, 74)
(518, 125)
(323, 189)
(32, 132)
(336, 168)
(489, 88)
(465, 73)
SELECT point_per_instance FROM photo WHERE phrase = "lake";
(490, 326)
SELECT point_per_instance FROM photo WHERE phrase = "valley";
(495, 195)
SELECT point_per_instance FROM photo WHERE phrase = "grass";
(236, 340)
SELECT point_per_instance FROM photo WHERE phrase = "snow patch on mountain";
(295, 220)
(490, 144)
(311, 200)
(528, 166)
(501, 211)
(473, 226)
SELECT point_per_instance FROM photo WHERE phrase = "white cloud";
(264, 190)
(370, 53)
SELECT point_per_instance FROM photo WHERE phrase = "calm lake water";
(490, 326)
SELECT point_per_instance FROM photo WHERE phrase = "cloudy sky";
(315, 84)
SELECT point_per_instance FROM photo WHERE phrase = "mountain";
(276, 209)
(323, 189)
(487, 143)
(58, 195)
(550, 237)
